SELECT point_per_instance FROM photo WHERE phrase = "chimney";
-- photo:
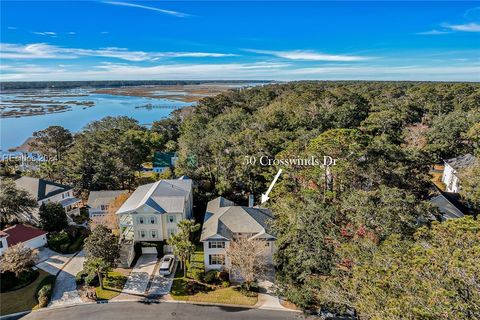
(251, 199)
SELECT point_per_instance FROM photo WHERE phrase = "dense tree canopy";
(384, 137)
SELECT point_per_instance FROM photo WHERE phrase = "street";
(159, 311)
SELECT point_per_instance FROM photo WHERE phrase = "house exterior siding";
(3, 245)
(450, 179)
(207, 252)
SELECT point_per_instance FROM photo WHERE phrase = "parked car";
(166, 264)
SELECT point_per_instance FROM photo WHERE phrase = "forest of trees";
(334, 227)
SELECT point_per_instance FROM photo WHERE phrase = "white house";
(3, 242)
(452, 169)
(224, 220)
(31, 237)
(44, 191)
(152, 213)
(99, 201)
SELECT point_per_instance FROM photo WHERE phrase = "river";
(72, 110)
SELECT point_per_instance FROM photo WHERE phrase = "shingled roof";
(462, 162)
(104, 197)
(39, 188)
(162, 196)
(21, 233)
(223, 218)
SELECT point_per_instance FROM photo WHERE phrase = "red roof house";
(30, 236)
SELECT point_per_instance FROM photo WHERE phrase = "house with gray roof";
(152, 213)
(453, 168)
(99, 201)
(224, 221)
(44, 191)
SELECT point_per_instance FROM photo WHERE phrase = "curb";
(211, 304)
(14, 315)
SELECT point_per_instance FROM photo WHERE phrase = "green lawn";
(22, 299)
(112, 286)
(222, 295)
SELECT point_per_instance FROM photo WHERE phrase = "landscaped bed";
(23, 299)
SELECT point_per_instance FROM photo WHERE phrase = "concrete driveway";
(139, 277)
(161, 285)
(65, 290)
(51, 261)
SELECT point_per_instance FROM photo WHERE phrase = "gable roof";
(163, 159)
(461, 162)
(162, 196)
(39, 188)
(21, 233)
(223, 218)
(104, 197)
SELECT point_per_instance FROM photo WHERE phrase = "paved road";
(65, 289)
(139, 277)
(159, 311)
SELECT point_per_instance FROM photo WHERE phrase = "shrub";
(76, 245)
(198, 274)
(253, 287)
(210, 277)
(44, 295)
(10, 282)
(91, 280)
(80, 277)
(44, 290)
(56, 240)
(223, 276)
(225, 284)
(193, 287)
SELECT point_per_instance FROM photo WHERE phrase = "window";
(104, 207)
(142, 234)
(153, 220)
(153, 234)
(172, 218)
(267, 243)
(141, 220)
(171, 231)
(216, 259)
(216, 244)
(1, 244)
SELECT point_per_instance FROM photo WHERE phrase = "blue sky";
(104, 40)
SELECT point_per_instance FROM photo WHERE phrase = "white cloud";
(47, 51)
(72, 33)
(12, 28)
(309, 55)
(467, 27)
(133, 5)
(45, 33)
(260, 70)
(433, 32)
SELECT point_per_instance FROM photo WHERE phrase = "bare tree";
(17, 259)
(247, 259)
